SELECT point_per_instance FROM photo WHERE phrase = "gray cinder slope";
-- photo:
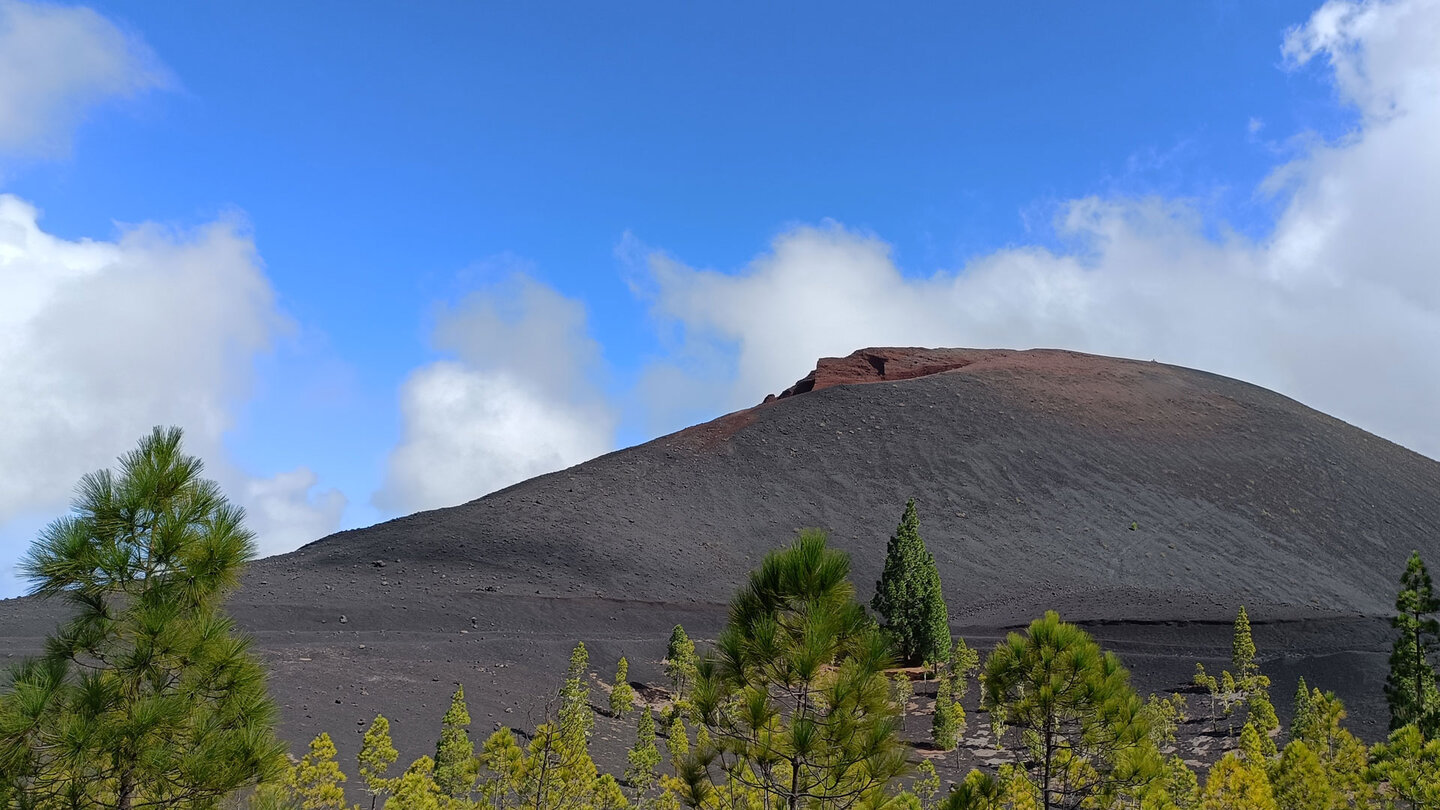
(1030, 469)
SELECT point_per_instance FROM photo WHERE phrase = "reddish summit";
(887, 364)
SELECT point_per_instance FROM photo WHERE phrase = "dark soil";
(1143, 500)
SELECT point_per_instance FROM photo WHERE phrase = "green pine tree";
(903, 691)
(680, 661)
(622, 696)
(377, 754)
(1072, 705)
(1301, 717)
(1242, 647)
(796, 694)
(455, 766)
(1237, 785)
(1410, 688)
(1407, 769)
(315, 781)
(416, 789)
(1301, 782)
(926, 786)
(947, 722)
(576, 718)
(908, 596)
(644, 757)
(147, 693)
(963, 663)
(677, 740)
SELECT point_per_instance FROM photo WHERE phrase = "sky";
(378, 257)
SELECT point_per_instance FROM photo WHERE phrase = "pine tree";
(909, 598)
(1211, 685)
(1236, 785)
(455, 766)
(644, 757)
(377, 754)
(927, 784)
(1410, 688)
(1301, 718)
(947, 723)
(503, 761)
(795, 692)
(576, 718)
(963, 663)
(1301, 782)
(315, 781)
(1343, 755)
(622, 697)
(1407, 767)
(1177, 789)
(1242, 647)
(1073, 705)
(147, 692)
(416, 788)
(680, 661)
(677, 741)
(903, 691)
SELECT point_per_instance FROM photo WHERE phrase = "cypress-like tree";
(147, 693)
(455, 766)
(1410, 688)
(1073, 706)
(1302, 716)
(908, 596)
(377, 754)
(680, 661)
(622, 696)
(1242, 647)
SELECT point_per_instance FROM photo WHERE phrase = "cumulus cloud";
(287, 510)
(57, 62)
(99, 341)
(518, 399)
(1339, 306)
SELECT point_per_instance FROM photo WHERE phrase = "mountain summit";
(1144, 500)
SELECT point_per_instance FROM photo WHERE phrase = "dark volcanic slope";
(1143, 499)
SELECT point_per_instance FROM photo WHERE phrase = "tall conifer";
(622, 696)
(147, 693)
(680, 661)
(1411, 686)
(377, 754)
(1242, 647)
(455, 766)
(909, 598)
(576, 719)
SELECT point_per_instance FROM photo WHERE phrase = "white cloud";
(99, 341)
(1339, 306)
(518, 400)
(285, 511)
(57, 62)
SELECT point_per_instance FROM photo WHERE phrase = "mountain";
(1145, 501)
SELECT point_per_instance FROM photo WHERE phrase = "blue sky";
(457, 223)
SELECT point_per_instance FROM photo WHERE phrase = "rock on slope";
(1145, 500)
